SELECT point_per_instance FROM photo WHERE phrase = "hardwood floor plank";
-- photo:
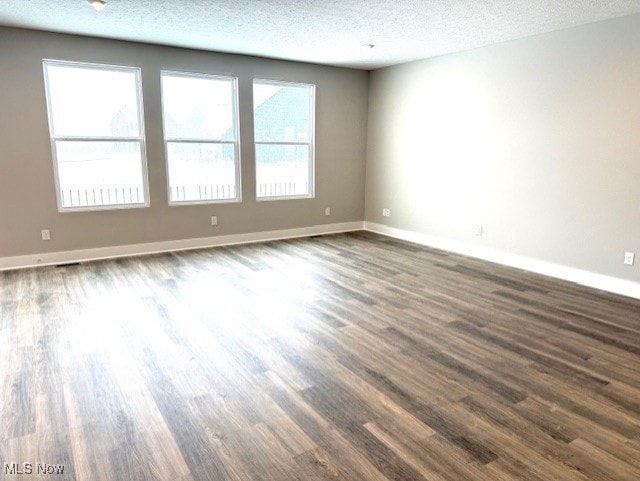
(351, 462)
(316, 465)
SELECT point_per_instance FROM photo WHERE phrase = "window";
(283, 125)
(200, 115)
(97, 135)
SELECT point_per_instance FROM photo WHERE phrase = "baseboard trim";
(578, 276)
(84, 255)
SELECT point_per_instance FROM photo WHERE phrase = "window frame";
(141, 139)
(311, 143)
(236, 142)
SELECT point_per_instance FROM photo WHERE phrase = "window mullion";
(67, 138)
(200, 141)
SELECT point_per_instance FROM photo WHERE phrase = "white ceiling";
(325, 31)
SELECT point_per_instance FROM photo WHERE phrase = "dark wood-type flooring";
(344, 357)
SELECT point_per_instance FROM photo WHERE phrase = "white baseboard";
(83, 255)
(579, 276)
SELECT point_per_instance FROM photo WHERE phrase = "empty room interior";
(293, 240)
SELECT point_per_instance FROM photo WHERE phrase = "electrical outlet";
(386, 212)
(479, 230)
(327, 211)
(629, 257)
(46, 234)
(214, 220)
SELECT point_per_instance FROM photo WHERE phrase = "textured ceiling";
(325, 31)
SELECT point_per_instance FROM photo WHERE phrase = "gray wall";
(27, 192)
(538, 140)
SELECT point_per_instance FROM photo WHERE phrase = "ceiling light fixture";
(98, 4)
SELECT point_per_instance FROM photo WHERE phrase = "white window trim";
(236, 142)
(140, 139)
(311, 143)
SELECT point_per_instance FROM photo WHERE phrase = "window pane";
(198, 108)
(92, 102)
(99, 173)
(282, 170)
(282, 113)
(201, 171)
